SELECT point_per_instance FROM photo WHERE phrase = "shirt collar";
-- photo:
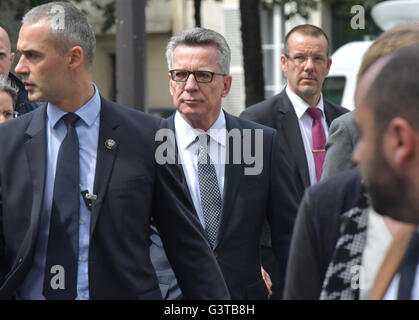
(88, 112)
(187, 134)
(300, 106)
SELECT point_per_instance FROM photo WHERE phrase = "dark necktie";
(408, 269)
(209, 190)
(60, 280)
(319, 140)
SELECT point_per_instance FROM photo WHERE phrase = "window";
(271, 33)
(333, 87)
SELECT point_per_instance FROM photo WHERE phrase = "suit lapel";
(108, 130)
(35, 149)
(329, 112)
(287, 121)
(178, 164)
(232, 177)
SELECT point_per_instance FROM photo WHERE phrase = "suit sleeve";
(303, 278)
(283, 205)
(2, 245)
(339, 148)
(187, 249)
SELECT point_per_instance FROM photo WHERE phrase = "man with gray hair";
(230, 204)
(77, 199)
(22, 104)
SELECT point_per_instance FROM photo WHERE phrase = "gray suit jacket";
(343, 135)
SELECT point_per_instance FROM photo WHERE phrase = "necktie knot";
(70, 119)
(202, 141)
(315, 113)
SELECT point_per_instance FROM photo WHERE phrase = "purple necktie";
(319, 140)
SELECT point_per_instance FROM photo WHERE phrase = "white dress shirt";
(188, 152)
(306, 122)
(377, 242)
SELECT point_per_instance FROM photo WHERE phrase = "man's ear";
(227, 86)
(329, 64)
(171, 84)
(75, 57)
(12, 57)
(284, 63)
(399, 143)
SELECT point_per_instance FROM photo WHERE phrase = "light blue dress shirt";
(88, 133)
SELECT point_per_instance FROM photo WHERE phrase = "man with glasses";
(299, 112)
(230, 203)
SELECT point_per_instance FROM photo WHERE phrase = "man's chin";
(34, 97)
(308, 91)
(394, 206)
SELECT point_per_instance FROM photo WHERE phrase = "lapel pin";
(110, 144)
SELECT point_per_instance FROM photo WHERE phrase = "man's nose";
(20, 67)
(309, 65)
(191, 83)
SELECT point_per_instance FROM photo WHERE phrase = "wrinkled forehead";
(302, 41)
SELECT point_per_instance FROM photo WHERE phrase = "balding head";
(387, 152)
(367, 79)
(6, 56)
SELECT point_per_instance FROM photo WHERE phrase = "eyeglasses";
(200, 76)
(300, 59)
(10, 114)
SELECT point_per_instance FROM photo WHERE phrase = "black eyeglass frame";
(193, 72)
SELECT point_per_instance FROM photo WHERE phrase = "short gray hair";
(7, 86)
(73, 29)
(201, 37)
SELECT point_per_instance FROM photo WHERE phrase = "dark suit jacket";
(131, 188)
(277, 112)
(247, 201)
(316, 232)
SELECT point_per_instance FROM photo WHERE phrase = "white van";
(339, 86)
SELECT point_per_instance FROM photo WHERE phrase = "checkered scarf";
(339, 281)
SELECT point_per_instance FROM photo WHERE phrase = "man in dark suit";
(79, 183)
(241, 199)
(306, 62)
